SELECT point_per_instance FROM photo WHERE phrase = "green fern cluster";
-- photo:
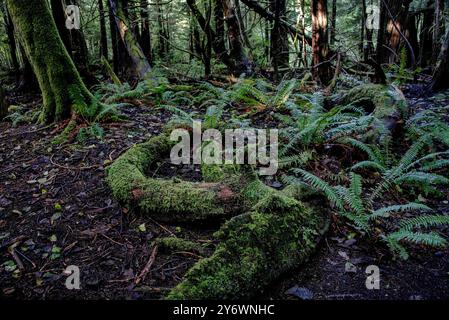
(357, 204)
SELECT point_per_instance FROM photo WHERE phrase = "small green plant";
(357, 207)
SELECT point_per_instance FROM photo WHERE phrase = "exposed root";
(278, 235)
(271, 231)
(386, 102)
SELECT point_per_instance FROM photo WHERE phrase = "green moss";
(388, 101)
(57, 76)
(232, 191)
(277, 235)
(172, 244)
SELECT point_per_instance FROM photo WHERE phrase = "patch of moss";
(173, 244)
(279, 234)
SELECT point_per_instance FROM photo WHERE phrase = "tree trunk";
(145, 35)
(58, 12)
(411, 32)
(103, 37)
(162, 40)
(27, 80)
(438, 26)
(426, 45)
(271, 17)
(63, 91)
(321, 67)
(441, 73)
(334, 21)
(218, 45)
(80, 53)
(279, 39)
(241, 63)
(11, 42)
(140, 62)
(366, 35)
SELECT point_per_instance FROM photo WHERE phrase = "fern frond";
(424, 221)
(321, 185)
(431, 239)
(386, 211)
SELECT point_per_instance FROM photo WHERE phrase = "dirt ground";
(56, 211)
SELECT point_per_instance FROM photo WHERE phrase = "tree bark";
(279, 39)
(103, 37)
(271, 17)
(241, 63)
(426, 44)
(229, 60)
(80, 53)
(145, 35)
(63, 91)
(441, 73)
(321, 67)
(334, 21)
(141, 65)
(438, 27)
(11, 41)
(58, 12)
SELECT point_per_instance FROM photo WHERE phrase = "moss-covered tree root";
(386, 102)
(177, 200)
(270, 233)
(278, 235)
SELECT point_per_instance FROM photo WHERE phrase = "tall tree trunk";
(11, 41)
(426, 45)
(217, 44)
(103, 37)
(219, 37)
(366, 35)
(392, 25)
(279, 39)
(141, 65)
(236, 51)
(58, 12)
(162, 39)
(63, 91)
(267, 14)
(411, 32)
(441, 73)
(438, 27)
(145, 35)
(320, 45)
(334, 21)
(80, 53)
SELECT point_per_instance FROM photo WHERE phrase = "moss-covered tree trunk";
(63, 91)
(141, 64)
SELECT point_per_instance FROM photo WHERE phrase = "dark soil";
(56, 211)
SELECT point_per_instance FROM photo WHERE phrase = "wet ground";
(56, 211)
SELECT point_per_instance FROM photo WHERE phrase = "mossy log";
(386, 103)
(278, 235)
(175, 200)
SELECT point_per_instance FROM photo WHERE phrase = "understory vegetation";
(87, 113)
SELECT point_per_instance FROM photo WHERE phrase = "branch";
(272, 17)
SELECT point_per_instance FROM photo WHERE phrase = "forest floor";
(56, 210)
